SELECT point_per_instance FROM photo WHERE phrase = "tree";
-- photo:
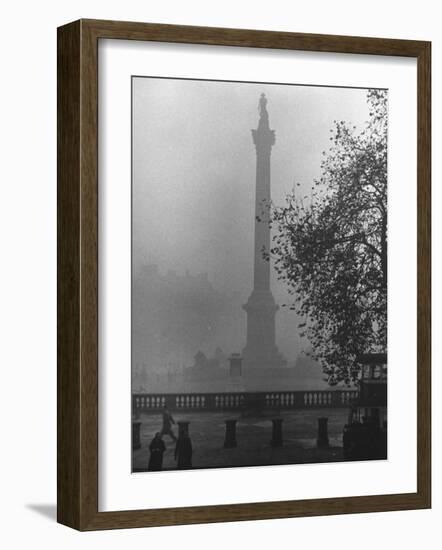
(331, 248)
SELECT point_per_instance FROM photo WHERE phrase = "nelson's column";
(260, 351)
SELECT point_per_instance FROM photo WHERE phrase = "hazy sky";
(194, 171)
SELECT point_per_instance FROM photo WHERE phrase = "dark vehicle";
(365, 435)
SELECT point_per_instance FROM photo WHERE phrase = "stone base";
(275, 362)
(269, 378)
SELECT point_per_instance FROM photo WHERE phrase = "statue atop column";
(263, 114)
(263, 105)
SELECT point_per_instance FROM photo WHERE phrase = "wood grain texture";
(424, 274)
(252, 38)
(68, 276)
(77, 223)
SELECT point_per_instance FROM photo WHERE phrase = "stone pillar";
(230, 440)
(235, 361)
(136, 440)
(322, 441)
(260, 351)
(276, 432)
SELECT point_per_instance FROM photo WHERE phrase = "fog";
(193, 204)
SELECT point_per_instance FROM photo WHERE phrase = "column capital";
(264, 139)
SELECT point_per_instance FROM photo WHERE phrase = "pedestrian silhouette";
(156, 448)
(167, 424)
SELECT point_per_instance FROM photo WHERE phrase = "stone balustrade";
(279, 400)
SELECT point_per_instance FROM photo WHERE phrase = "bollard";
(322, 441)
(230, 440)
(136, 441)
(276, 433)
(183, 428)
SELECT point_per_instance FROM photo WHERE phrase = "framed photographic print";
(243, 274)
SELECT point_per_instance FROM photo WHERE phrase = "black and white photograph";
(259, 274)
(220, 278)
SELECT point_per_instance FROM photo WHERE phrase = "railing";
(304, 399)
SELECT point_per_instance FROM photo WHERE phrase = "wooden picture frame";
(77, 225)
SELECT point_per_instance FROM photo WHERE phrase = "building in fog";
(177, 315)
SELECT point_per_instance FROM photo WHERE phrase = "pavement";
(253, 435)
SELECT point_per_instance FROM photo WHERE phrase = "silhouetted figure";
(167, 424)
(157, 449)
(183, 452)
